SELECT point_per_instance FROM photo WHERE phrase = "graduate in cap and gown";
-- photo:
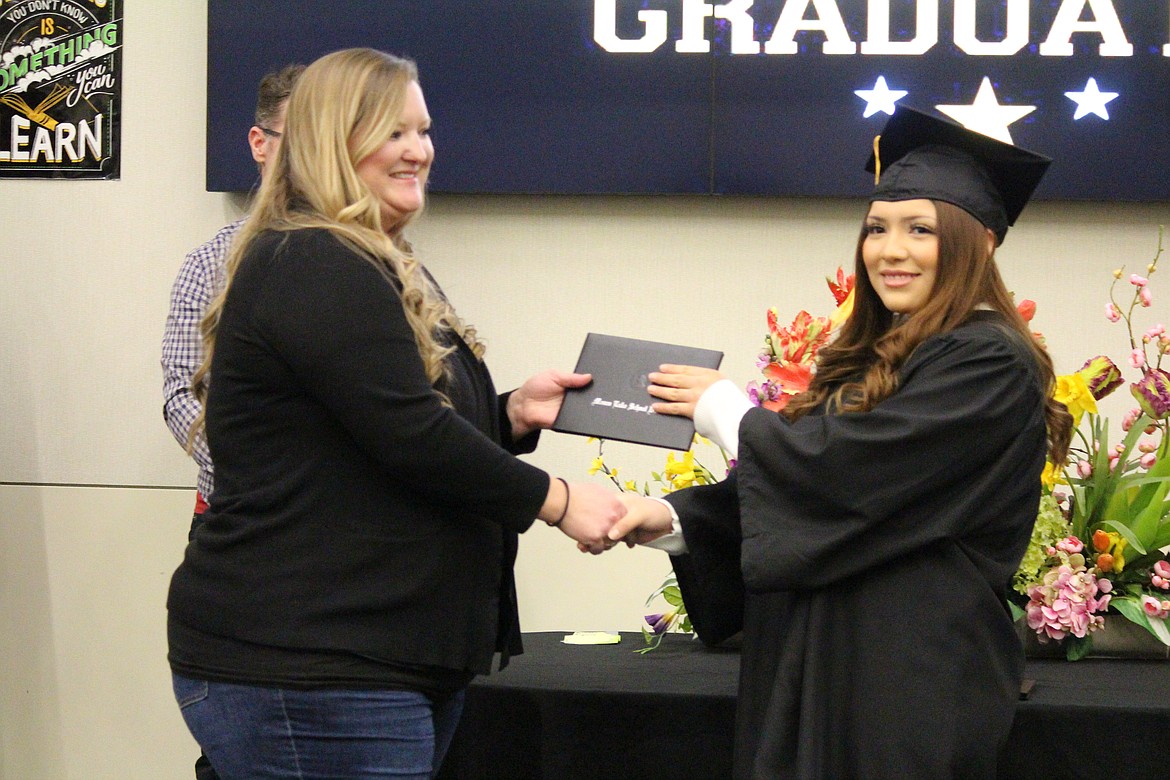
(865, 541)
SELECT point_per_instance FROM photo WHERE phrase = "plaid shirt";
(200, 278)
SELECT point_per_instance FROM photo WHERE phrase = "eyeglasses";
(269, 132)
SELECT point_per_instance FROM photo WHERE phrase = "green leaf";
(1159, 629)
(1129, 535)
(1162, 537)
(1104, 492)
(1131, 609)
(673, 596)
(1017, 611)
(1076, 648)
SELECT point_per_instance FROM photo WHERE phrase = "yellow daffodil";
(1117, 547)
(1052, 476)
(597, 465)
(681, 473)
(1073, 391)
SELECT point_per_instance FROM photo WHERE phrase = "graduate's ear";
(991, 242)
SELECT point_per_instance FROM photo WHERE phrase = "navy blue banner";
(737, 97)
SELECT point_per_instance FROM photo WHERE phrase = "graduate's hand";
(536, 403)
(645, 520)
(680, 388)
(591, 512)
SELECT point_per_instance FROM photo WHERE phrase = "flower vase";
(1118, 638)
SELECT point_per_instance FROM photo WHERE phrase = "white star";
(880, 98)
(1091, 100)
(986, 115)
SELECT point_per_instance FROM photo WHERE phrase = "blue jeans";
(249, 731)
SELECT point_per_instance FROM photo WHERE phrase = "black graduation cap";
(920, 155)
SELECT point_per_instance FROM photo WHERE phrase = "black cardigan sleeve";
(340, 327)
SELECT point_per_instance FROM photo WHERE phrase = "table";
(572, 712)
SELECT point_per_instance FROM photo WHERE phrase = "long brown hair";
(860, 368)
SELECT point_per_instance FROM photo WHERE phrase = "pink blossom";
(1145, 297)
(1137, 358)
(1111, 313)
(1104, 584)
(1156, 331)
(1154, 608)
(1159, 582)
(1130, 418)
(1084, 469)
(1066, 602)
(1162, 568)
(1070, 545)
(1113, 460)
(1138, 281)
(1148, 460)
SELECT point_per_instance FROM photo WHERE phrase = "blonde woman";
(354, 569)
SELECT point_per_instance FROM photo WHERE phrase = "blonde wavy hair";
(343, 107)
(860, 368)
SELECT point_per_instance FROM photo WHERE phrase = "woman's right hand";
(645, 520)
(679, 388)
(591, 511)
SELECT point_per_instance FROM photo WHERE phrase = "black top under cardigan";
(355, 515)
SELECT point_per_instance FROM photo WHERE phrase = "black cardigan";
(353, 511)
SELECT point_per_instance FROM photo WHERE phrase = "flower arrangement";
(1102, 531)
(787, 362)
(677, 474)
(1103, 526)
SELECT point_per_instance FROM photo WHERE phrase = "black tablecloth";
(569, 711)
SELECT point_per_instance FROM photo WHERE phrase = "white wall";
(95, 496)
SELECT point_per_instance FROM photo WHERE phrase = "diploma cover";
(616, 404)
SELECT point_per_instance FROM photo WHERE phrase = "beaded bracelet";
(566, 509)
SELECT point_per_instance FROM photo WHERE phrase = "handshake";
(597, 519)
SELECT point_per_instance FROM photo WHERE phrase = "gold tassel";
(877, 160)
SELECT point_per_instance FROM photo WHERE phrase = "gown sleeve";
(827, 497)
(709, 573)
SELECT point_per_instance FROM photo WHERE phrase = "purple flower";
(661, 623)
(1101, 375)
(1152, 392)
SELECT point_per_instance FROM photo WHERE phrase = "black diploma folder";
(616, 404)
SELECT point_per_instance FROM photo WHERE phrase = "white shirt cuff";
(718, 413)
(673, 543)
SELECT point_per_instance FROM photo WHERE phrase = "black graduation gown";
(867, 558)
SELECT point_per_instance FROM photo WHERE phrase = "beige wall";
(95, 496)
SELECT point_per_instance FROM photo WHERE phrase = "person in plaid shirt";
(200, 279)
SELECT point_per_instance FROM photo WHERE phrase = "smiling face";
(900, 252)
(396, 172)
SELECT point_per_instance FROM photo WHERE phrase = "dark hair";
(860, 368)
(274, 90)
